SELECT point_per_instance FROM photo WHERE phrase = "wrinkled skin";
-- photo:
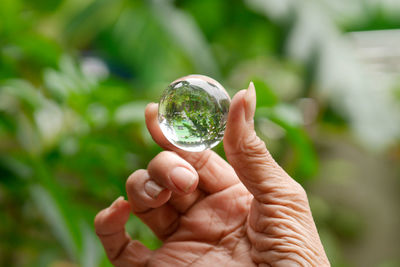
(211, 213)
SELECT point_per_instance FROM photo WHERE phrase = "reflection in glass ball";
(193, 111)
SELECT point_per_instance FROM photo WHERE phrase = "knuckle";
(132, 180)
(300, 190)
(99, 219)
(252, 145)
(165, 154)
(252, 153)
(160, 158)
(202, 159)
(298, 193)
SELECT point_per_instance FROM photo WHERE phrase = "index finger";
(214, 172)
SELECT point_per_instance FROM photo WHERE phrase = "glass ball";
(193, 111)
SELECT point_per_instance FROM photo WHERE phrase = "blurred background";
(76, 75)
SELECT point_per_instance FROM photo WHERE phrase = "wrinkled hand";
(210, 213)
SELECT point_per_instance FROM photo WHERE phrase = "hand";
(210, 213)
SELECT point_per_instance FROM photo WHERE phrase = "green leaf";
(305, 163)
(265, 96)
(56, 219)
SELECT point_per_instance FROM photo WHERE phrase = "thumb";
(248, 155)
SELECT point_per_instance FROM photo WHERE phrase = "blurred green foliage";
(75, 77)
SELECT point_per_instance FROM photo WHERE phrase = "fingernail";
(150, 104)
(152, 188)
(250, 99)
(183, 178)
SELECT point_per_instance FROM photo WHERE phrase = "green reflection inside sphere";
(192, 113)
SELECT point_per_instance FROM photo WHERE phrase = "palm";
(215, 224)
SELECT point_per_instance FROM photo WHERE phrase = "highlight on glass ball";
(193, 111)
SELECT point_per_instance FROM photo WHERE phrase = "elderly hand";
(210, 213)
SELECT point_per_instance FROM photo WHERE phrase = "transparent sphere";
(193, 111)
